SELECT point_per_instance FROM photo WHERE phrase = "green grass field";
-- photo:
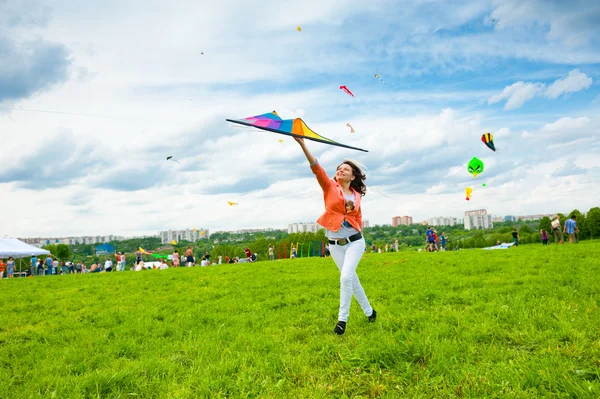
(512, 323)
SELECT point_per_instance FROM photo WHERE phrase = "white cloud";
(518, 93)
(574, 82)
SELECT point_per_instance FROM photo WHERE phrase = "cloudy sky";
(93, 98)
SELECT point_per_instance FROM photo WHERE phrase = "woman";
(343, 223)
(176, 259)
(544, 235)
(10, 267)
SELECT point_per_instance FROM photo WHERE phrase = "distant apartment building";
(166, 237)
(510, 218)
(402, 221)
(43, 241)
(303, 227)
(478, 219)
(444, 221)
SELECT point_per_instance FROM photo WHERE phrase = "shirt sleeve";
(322, 178)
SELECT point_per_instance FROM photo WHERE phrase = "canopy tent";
(18, 249)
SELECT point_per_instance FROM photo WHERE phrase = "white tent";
(18, 249)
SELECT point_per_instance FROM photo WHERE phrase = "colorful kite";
(203, 233)
(351, 128)
(469, 191)
(379, 77)
(483, 185)
(299, 29)
(488, 139)
(160, 256)
(172, 159)
(174, 242)
(346, 90)
(475, 166)
(232, 203)
(290, 127)
(281, 141)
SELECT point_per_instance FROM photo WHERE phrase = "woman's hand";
(299, 140)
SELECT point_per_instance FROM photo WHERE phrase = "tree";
(593, 222)
(545, 224)
(63, 252)
(525, 230)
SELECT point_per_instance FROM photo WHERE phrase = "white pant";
(346, 258)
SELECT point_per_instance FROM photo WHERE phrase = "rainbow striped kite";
(290, 127)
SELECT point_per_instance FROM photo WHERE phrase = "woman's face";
(344, 173)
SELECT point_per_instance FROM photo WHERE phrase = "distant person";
(108, 265)
(95, 268)
(571, 228)
(271, 253)
(40, 267)
(10, 267)
(204, 262)
(544, 235)
(515, 236)
(387, 247)
(444, 240)
(79, 267)
(63, 268)
(220, 259)
(396, 244)
(558, 234)
(48, 265)
(207, 256)
(294, 254)
(248, 253)
(138, 256)
(430, 239)
(227, 259)
(327, 251)
(373, 248)
(33, 264)
(123, 261)
(435, 240)
(55, 267)
(2, 268)
(176, 258)
(163, 265)
(189, 257)
(71, 267)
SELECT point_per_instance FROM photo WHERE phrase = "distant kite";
(475, 166)
(347, 90)
(174, 242)
(299, 29)
(351, 128)
(281, 141)
(232, 203)
(377, 76)
(202, 233)
(488, 139)
(290, 127)
(173, 159)
(469, 191)
(495, 21)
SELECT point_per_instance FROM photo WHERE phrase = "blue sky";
(124, 86)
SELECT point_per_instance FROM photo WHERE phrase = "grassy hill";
(523, 322)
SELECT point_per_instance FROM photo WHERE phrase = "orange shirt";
(2, 266)
(335, 203)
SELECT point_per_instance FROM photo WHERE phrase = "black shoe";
(340, 328)
(373, 316)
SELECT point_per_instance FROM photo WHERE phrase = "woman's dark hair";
(359, 177)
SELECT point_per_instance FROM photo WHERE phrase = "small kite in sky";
(232, 203)
(351, 128)
(475, 166)
(290, 127)
(281, 141)
(495, 21)
(469, 191)
(201, 53)
(488, 139)
(174, 242)
(377, 76)
(299, 29)
(483, 185)
(173, 159)
(347, 90)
